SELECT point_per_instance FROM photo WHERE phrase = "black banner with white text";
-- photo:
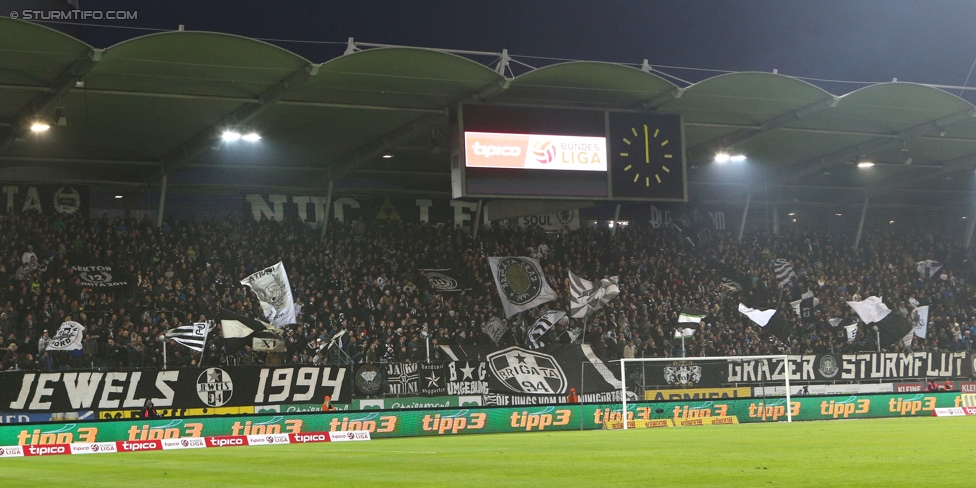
(228, 386)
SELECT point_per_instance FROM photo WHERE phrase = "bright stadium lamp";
(39, 127)
(722, 157)
(230, 136)
(864, 164)
(251, 137)
(737, 158)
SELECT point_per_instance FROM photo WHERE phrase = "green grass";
(888, 452)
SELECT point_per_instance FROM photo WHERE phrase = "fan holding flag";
(586, 298)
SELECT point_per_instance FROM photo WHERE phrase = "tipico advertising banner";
(535, 151)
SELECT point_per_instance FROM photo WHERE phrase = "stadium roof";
(157, 104)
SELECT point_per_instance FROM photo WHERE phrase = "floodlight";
(738, 158)
(40, 127)
(722, 157)
(864, 164)
(251, 137)
(230, 135)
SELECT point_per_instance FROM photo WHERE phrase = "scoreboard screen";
(528, 152)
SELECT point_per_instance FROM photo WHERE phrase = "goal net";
(676, 391)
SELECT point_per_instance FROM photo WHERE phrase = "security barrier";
(453, 421)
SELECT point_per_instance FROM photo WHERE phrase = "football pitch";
(886, 452)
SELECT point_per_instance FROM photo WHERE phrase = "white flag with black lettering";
(541, 326)
(68, 338)
(521, 283)
(274, 292)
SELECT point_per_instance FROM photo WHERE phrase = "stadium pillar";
(971, 225)
(477, 219)
(162, 202)
(745, 212)
(860, 225)
(616, 217)
(328, 209)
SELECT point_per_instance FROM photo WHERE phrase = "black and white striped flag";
(783, 271)
(541, 326)
(586, 298)
(193, 336)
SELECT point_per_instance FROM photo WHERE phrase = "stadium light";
(722, 157)
(737, 158)
(387, 156)
(230, 136)
(251, 137)
(118, 197)
(864, 164)
(39, 127)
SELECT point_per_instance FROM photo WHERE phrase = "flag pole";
(206, 332)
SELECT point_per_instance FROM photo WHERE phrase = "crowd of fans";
(363, 279)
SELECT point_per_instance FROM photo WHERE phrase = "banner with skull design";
(272, 288)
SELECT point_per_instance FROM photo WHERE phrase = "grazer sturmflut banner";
(227, 386)
(684, 373)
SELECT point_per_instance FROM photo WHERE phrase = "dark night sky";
(857, 40)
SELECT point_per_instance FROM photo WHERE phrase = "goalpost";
(726, 359)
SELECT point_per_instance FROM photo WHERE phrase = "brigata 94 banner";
(453, 421)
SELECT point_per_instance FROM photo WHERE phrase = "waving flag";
(521, 283)
(68, 337)
(783, 271)
(274, 291)
(541, 326)
(239, 331)
(193, 336)
(586, 298)
(928, 268)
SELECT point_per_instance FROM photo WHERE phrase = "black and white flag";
(851, 332)
(804, 306)
(239, 331)
(731, 285)
(274, 292)
(920, 317)
(928, 268)
(445, 280)
(783, 271)
(193, 336)
(521, 283)
(431, 379)
(68, 337)
(586, 298)
(760, 317)
(495, 328)
(871, 309)
(541, 326)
